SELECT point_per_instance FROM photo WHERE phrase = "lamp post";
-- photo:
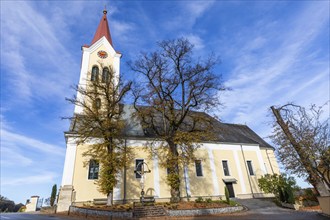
(141, 169)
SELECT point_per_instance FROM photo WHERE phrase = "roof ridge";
(243, 125)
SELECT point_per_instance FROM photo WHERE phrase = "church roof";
(103, 29)
(223, 132)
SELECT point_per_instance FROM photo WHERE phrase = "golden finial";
(105, 10)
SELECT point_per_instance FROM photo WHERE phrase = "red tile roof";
(103, 30)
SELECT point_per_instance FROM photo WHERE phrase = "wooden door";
(230, 190)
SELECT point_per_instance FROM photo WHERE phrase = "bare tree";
(174, 86)
(102, 127)
(303, 138)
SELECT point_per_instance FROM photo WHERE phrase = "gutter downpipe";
(124, 199)
(271, 166)
(247, 171)
(185, 180)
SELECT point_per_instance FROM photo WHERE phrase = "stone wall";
(193, 212)
(94, 212)
(31, 205)
(325, 204)
(189, 212)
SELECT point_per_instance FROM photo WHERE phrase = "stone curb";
(194, 212)
(187, 212)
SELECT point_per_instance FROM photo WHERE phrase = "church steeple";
(103, 29)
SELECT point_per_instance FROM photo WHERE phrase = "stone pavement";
(33, 216)
(257, 209)
(266, 209)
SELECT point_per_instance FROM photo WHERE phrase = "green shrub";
(289, 197)
(53, 195)
(22, 209)
(310, 195)
(208, 200)
(199, 200)
(279, 186)
(281, 194)
(227, 195)
(233, 203)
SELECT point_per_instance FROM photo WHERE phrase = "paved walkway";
(263, 209)
(257, 209)
(33, 216)
(262, 206)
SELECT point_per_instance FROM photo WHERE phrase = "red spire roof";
(103, 29)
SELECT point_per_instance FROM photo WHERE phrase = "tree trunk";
(317, 181)
(110, 152)
(174, 168)
(110, 199)
(322, 189)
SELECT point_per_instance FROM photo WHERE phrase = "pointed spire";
(103, 29)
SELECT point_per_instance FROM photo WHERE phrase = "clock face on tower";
(102, 54)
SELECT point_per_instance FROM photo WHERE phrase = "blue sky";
(272, 52)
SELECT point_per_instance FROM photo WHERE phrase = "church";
(237, 158)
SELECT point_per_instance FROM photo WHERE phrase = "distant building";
(31, 204)
(236, 159)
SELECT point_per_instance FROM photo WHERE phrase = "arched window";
(95, 73)
(98, 103)
(105, 75)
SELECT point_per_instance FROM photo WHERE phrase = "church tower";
(96, 60)
(98, 57)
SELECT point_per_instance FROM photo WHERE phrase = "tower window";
(105, 75)
(95, 73)
(93, 171)
(198, 165)
(98, 103)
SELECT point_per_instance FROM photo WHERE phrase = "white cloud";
(255, 44)
(279, 73)
(196, 41)
(31, 39)
(11, 138)
(120, 31)
(45, 177)
(121, 28)
(197, 8)
(189, 12)
(12, 156)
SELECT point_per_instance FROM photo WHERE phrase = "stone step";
(139, 211)
(149, 215)
(156, 211)
(159, 211)
(149, 211)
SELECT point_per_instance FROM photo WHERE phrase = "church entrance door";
(231, 190)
